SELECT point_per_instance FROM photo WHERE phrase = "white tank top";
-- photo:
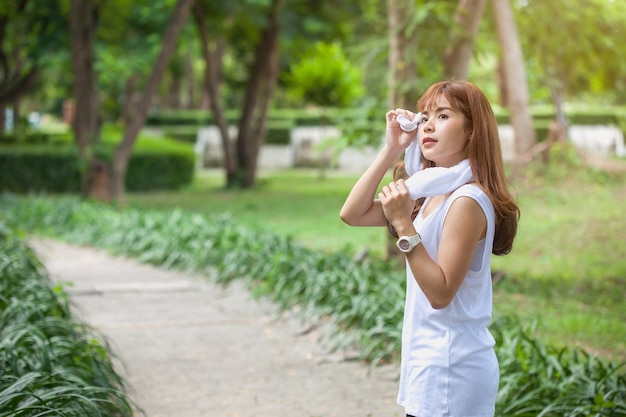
(448, 365)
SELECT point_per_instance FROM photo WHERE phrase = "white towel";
(433, 181)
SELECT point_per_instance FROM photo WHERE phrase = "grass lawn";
(567, 271)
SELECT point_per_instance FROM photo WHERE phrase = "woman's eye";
(443, 116)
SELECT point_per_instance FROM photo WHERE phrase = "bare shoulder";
(468, 205)
(465, 213)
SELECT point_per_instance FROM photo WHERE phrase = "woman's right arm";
(361, 208)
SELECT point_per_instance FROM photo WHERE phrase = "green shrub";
(34, 137)
(325, 77)
(278, 125)
(182, 133)
(538, 380)
(184, 124)
(150, 170)
(604, 117)
(25, 168)
(50, 362)
(187, 117)
(278, 132)
(155, 164)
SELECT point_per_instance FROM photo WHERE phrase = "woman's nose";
(427, 126)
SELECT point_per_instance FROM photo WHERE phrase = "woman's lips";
(428, 141)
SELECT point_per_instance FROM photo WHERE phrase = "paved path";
(190, 348)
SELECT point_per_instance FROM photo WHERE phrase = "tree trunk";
(175, 93)
(191, 82)
(124, 149)
(3, 118)
(458, 56)
(515, 79)
(561, 118)
(401, 76)
(15, 81)
(17, 115)
(83, 25)
(402, 62)
(212, 79)
(257, 97)
(212, 82)
(130, 102)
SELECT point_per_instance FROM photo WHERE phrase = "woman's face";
(442, 137)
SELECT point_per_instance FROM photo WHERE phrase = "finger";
(391, 115)
(394, 187)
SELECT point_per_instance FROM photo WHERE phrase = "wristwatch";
(406, 243)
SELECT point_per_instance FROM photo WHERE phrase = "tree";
(30, 32)
(574, 48)
(258, 94)
(402, 64)
(83, 21)
(515, 81)
(241, 160)
(240, 43)
(212, 48)
(84, 17)
(458, 55)
(324, 76)
(124, 149)
(402, 72)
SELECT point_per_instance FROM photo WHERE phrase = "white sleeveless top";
(448, 365)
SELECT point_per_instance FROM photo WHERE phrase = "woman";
(448, 230)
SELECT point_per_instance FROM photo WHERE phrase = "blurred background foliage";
(573, 45)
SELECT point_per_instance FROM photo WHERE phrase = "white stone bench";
(308, 145)
(208, 147)
(604, 140)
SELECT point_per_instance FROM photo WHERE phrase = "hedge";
(36, 168)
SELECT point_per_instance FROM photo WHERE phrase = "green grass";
(302, 204)
(567, 270)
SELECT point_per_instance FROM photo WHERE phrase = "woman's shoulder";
(475, 192)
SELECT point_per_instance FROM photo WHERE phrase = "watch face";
(404, 244)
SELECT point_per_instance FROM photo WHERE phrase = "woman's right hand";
(395, 137)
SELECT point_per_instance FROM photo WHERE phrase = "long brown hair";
(484, 153)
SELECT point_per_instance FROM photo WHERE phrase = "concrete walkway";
(190, 348)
